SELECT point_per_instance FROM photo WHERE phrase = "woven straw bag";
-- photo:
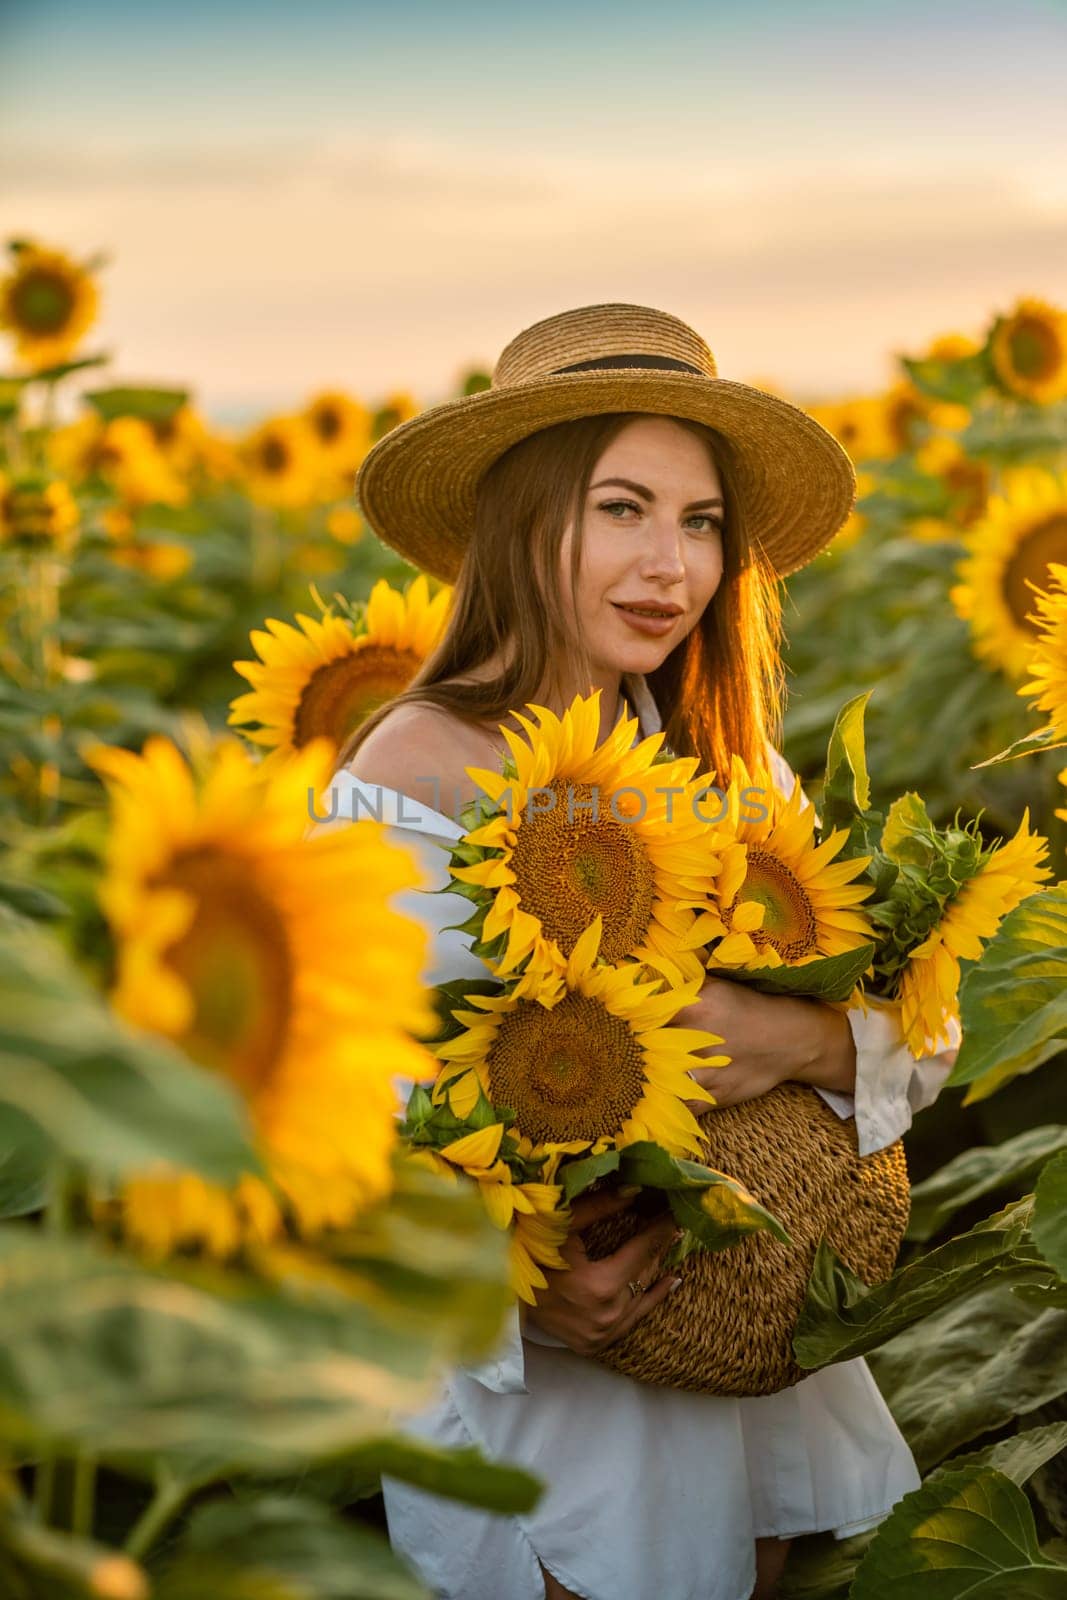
(728, 1328)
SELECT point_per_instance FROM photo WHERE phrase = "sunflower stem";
(44, 1483)
(81, 1517)
(56, 1222)
(43, 431)
(266, 556)
(58, 1211)
(170, 1495)
(14, 444)
(43, 657)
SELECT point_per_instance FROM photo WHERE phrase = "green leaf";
(24, 1164)
(433, 1261)
(420, 1107)
(464, 1475)
(1013, 1002)
(829, 978)
(577, 1176)
(907, 822)
(59, 1564)
(961, 1534)
(115, 1100)
(821, 1567)
(151, 405)
(847, 787)
(841, 1317)
(1017, 1458)
(1050, 738)
(210, 1371)
(62, 369)
(1049, 1226)
(30, 900)
(649, 1165)
(451, 997)
(713, 1206)
(971, 1367)
(960, 382)
(983, 1170)
(293, 1547)
(1016, 432)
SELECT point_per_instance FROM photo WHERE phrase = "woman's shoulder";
(781, 771)
(420, 750)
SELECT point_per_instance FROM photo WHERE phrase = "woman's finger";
(713, 1078)
(642, 1304)
(638, 1259)
(591, 1207)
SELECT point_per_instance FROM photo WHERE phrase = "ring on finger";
(636, 1289)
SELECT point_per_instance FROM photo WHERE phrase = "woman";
(615, 516)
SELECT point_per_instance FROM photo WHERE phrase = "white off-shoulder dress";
(651, 1493)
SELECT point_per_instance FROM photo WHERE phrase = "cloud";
(259, 270)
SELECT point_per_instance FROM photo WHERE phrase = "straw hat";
(417, 486)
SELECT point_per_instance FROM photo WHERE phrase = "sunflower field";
(225, 1281)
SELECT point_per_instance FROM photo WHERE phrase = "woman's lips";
(652, 621)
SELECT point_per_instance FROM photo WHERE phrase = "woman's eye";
(711, 524)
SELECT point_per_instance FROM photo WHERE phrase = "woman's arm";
(771, 1038)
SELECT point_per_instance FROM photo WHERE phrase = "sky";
(380, 197)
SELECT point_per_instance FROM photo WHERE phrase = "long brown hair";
(718, 692)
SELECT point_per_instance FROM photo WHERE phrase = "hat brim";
(417, 487)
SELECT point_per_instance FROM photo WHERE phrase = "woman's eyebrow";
(646, 494)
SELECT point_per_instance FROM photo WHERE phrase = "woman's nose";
(662, 556)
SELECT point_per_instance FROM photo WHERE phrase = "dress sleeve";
(427, 835)
(451, 957)
(891, 1083)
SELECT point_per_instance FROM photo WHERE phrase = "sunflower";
(155, 558)
(122, 453)
(1029, 351)
(398, 407)
(596, 1065)
(857, 521)
(47, 303)
(780, 899)
(37, 513)
(967, 480)
(1048, 664)
(190, 448)
(345, 524)
(1010, 552)
(583, 830)
(533, 1211)
(325, 677)
(860, 425)
(282, 462)
(274, 960)
(538, 1227)
(342, 427)
(1061, 777)
(951, 347)
(906, 414)
(910, 415)
(929, 984)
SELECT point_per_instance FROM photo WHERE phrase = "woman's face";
(652, 552)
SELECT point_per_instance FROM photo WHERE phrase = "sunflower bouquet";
(587, 865)
(861, 905)
(605, 880)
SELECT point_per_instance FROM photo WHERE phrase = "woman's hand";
(591, 1304)
(771, 1039)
